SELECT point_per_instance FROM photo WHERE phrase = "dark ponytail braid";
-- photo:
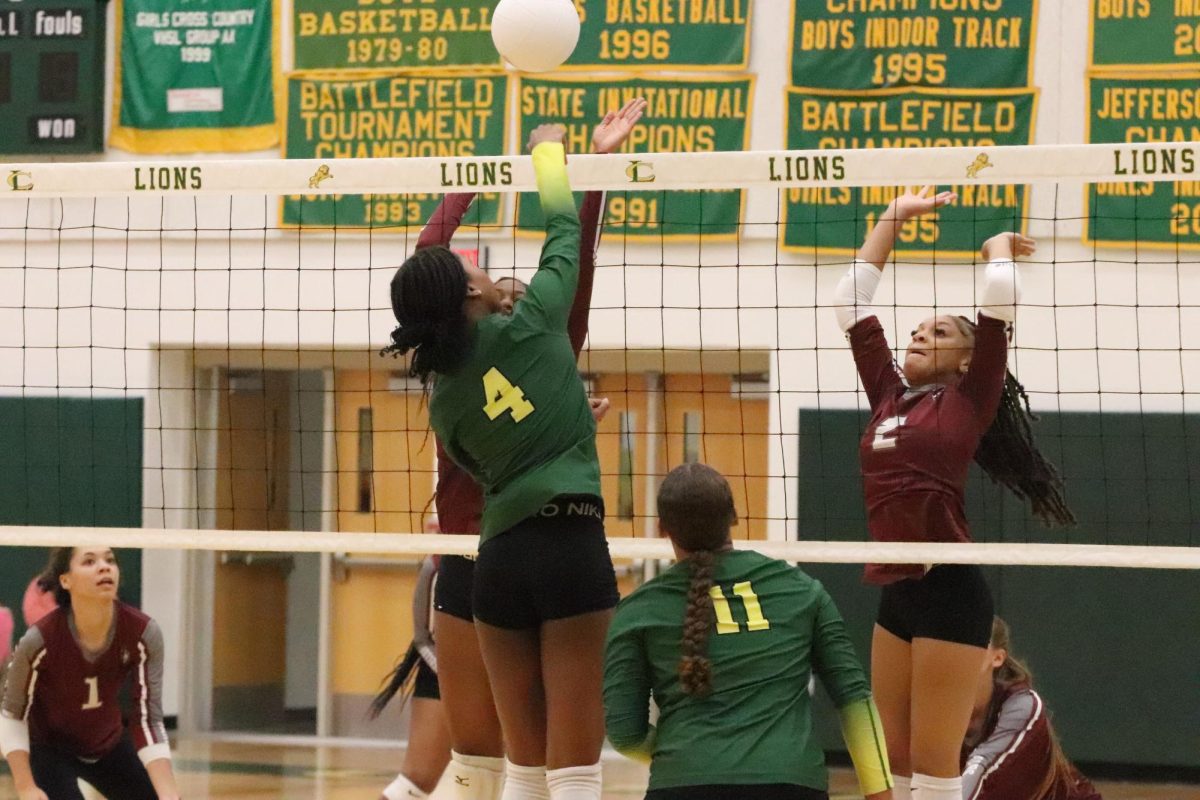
(695, 669)
(1009, 454)
(427, 298)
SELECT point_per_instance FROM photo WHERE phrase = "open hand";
(616, 126)
(911, 205)
(1007, 245)
(546, 133)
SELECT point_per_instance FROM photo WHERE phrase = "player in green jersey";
(735, 716)
(509, 407)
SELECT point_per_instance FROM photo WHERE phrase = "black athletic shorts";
(952, 603)
(452, 591)
(119, 774)
(729, 791)
(552, 565)
(426, 684)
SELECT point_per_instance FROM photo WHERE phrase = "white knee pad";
(903, 787)
(524, 783)
(403, 789)
(476, 777)
(926, 787)
(575, 783)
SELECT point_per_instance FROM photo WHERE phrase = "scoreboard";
(51, 76)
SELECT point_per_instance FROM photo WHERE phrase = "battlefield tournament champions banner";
(877, 44)
(1144, 34)
(835, 220)
(456, 34)
(51, 78)
(388, 115)
(195, 77)
(1133, 109)
(683, 115)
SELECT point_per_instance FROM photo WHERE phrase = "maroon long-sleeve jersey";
(1012, 754)
(69, 698)
(920, 442)
(459, 500)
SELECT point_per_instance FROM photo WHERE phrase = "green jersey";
(516, 415)
(774, 627)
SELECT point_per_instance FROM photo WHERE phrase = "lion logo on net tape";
(322, 174)
(980, 163)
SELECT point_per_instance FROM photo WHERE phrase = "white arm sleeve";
(14, 735)
(1001, 290)
(856, 289)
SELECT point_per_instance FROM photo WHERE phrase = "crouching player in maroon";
(1011, 750)
(953, 402)
(60, 719)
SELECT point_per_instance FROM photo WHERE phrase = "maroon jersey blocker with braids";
(70, 702)
(459, 500)
(920, 442)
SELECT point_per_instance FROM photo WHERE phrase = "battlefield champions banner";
(195, 77)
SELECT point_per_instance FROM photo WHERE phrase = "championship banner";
(835, 220)
(52, 77)
(387, 115)
(662, 34)
(195, 79)
(1144, 34)
(1141, 108)
(875, 44)
(358, 34)
(683, 115)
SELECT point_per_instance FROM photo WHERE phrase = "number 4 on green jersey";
(502, 396)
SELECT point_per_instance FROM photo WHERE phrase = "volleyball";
(535, 35)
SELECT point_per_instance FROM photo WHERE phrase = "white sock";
(403, 789)
(476, 777)
(524, 783)
(926, 787)
(903, 788)
(575, 783)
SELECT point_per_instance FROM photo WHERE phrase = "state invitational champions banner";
(1145, 34)
(835, 220)
(1135, 109)
(683, 115)
(876, 44)
(662, 34)
(195, 77)
(364, 34)
(388, 115)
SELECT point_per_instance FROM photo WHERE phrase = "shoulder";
(1021, 707)
(636, 608)
(52, 622)
(755, 566)
(33, 640)
(135, 621)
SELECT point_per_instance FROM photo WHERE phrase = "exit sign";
(51, 76)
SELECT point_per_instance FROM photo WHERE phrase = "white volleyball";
(535, 35)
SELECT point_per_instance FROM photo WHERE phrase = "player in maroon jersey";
(477, 756)
(1011, 749)
(953, 402)
(60, 718)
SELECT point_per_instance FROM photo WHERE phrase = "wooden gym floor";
(238, 770)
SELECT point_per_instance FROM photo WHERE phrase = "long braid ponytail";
(695, 669)
(427, 298)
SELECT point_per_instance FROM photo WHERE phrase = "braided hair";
(427, 298)
(695, 508)
(1009, 454)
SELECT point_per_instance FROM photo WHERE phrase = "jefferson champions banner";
(683, 115)
(195, 78)
(835, 220)
(877, 44)
(1135, 109)
(389, 115)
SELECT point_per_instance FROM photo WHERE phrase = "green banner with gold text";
(1132, 109)
(876, 44)
(1145, 34)
(332, 116)
(662, 34)
(834, 220)
(683, 115)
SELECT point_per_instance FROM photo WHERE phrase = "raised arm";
(608, 137)
(445, 220)
(19, 687)
(627, 692)
(551, 293)
(837, 665)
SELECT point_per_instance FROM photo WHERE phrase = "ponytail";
(427, 298)
(695, 669)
